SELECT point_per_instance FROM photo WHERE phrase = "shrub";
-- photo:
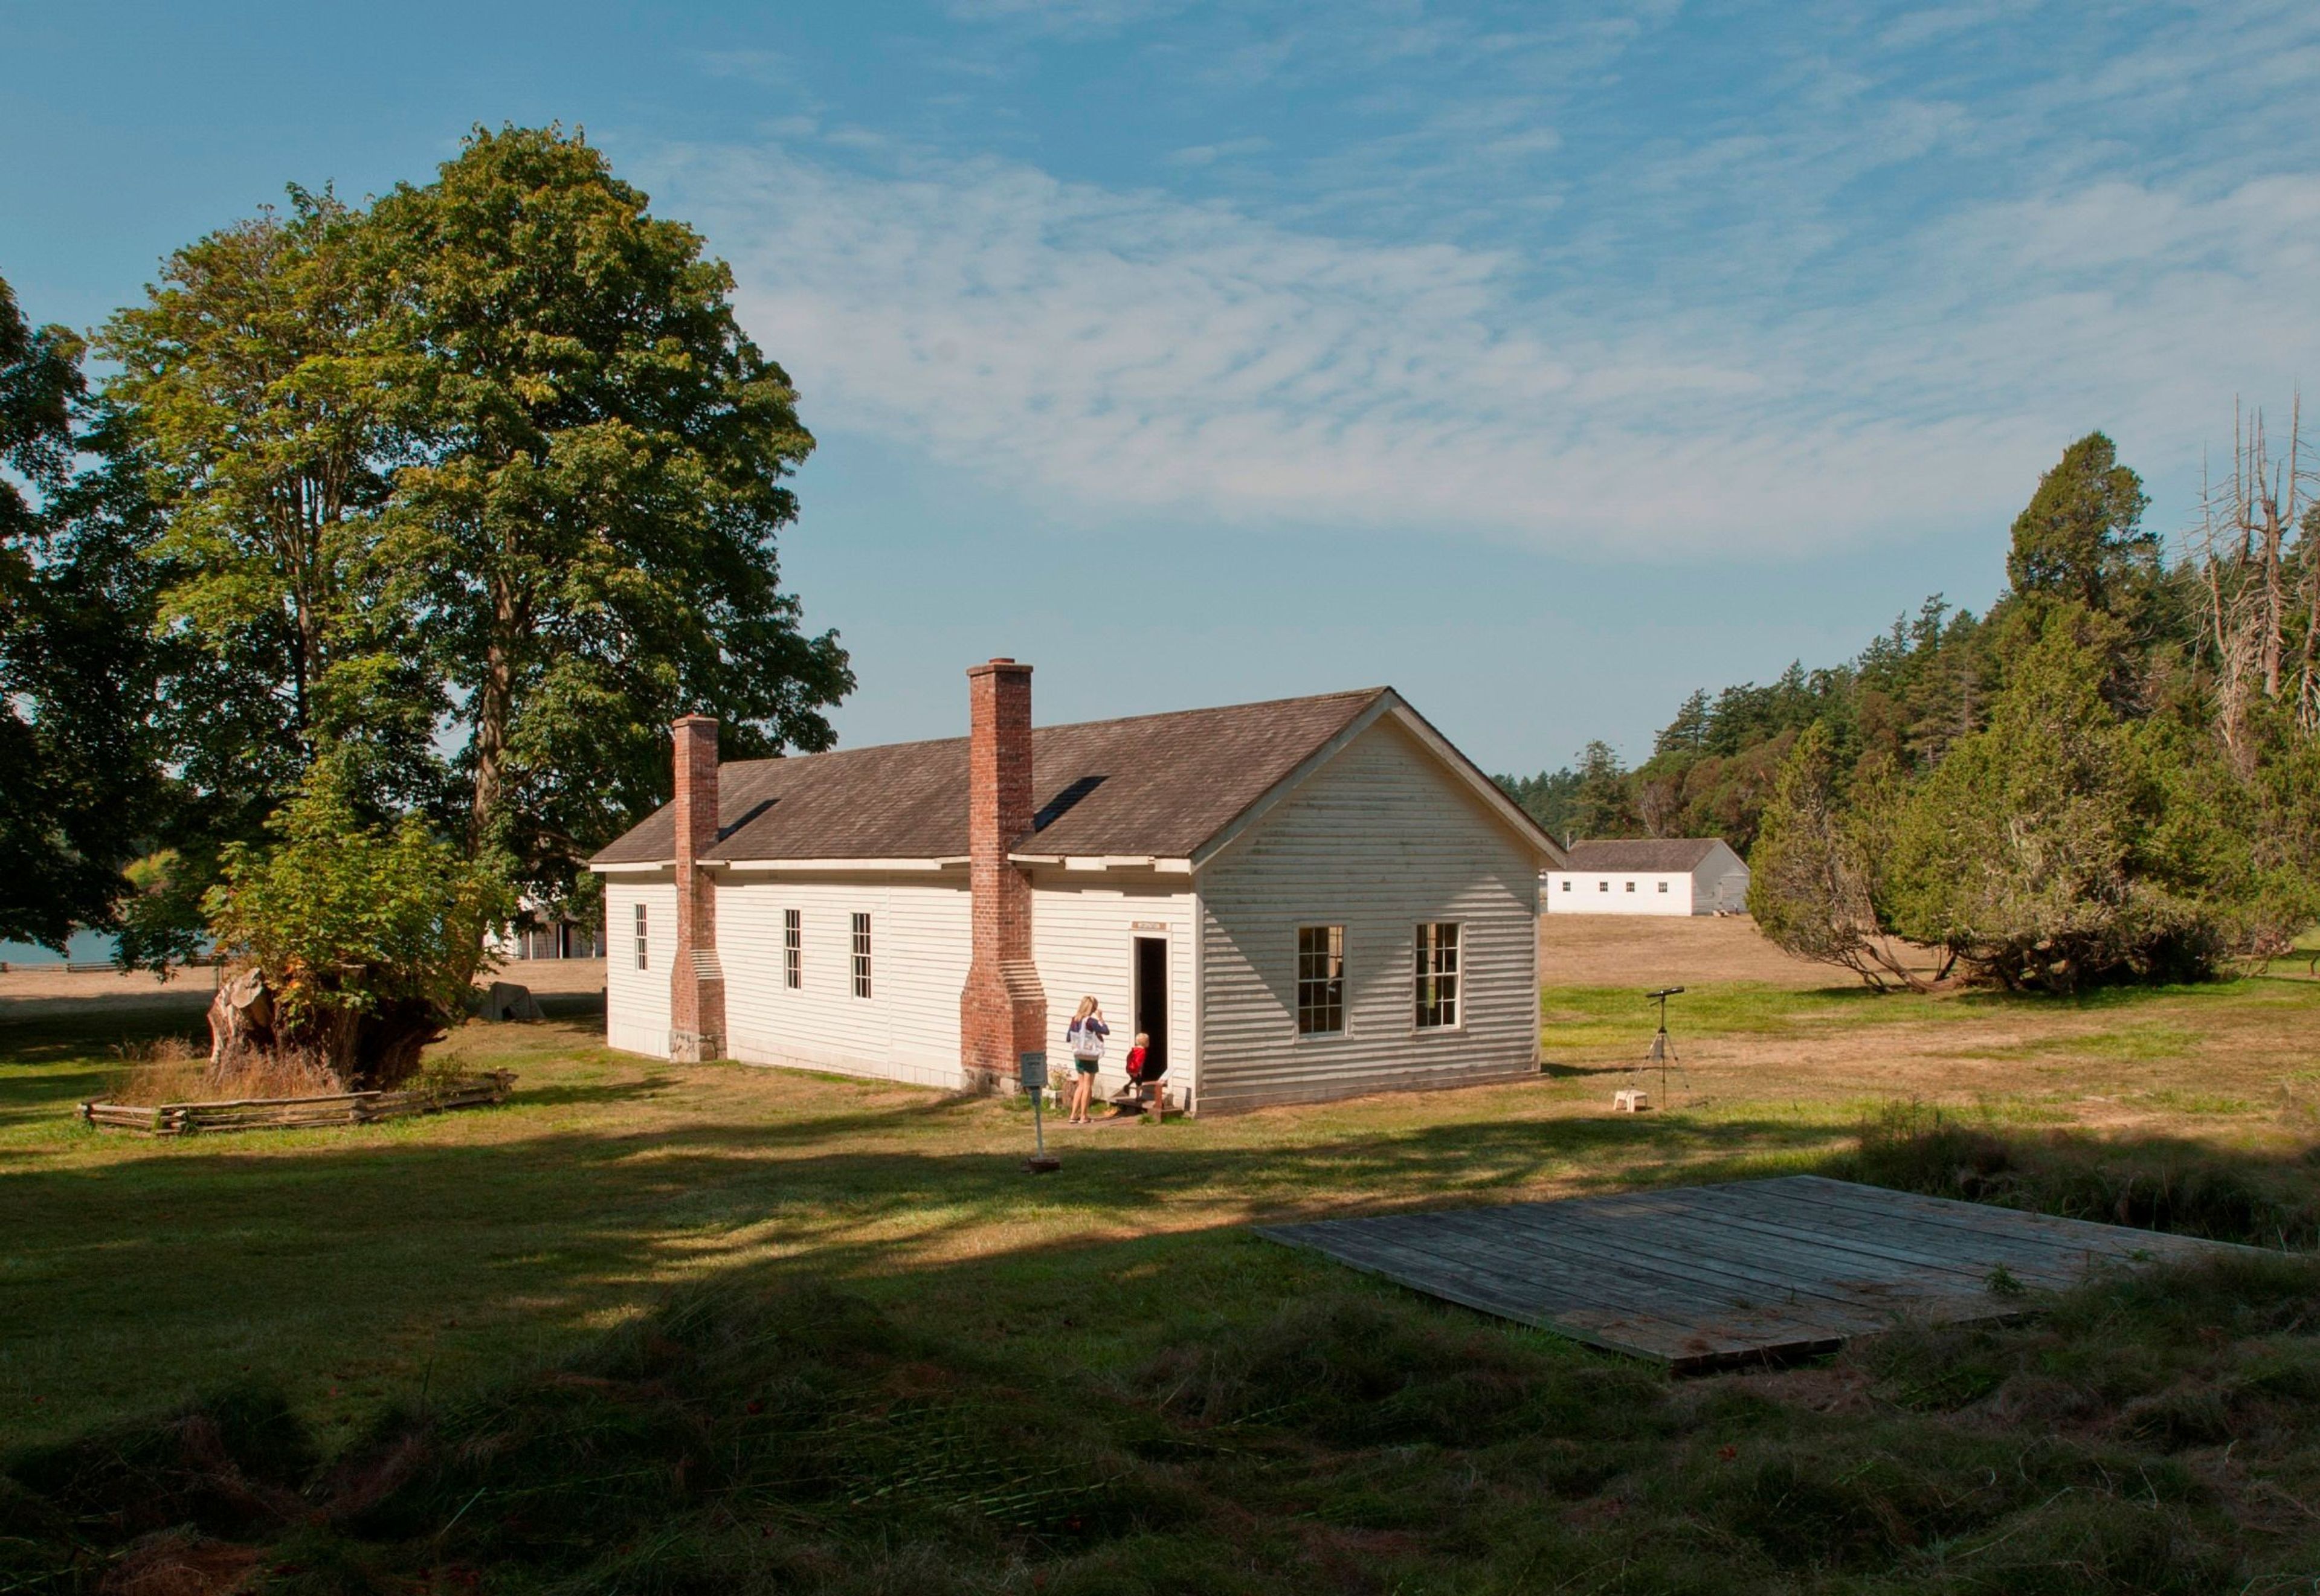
(367, 937)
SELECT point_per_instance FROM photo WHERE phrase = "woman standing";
(1084, 1036)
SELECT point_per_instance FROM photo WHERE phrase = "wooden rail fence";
(271, 1113)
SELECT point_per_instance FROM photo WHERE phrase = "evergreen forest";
(2112, 773)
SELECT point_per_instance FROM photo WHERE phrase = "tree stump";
(241, 1017)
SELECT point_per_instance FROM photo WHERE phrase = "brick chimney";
(1003, 1012)
(696, 982)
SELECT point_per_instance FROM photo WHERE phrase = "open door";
(1152, 999)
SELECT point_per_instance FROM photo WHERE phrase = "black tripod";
(1662, 1052)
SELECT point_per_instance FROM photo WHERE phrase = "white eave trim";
(1094, 863)
(647, 867)
(840, 867)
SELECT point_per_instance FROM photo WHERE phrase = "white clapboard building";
(1298, 900)
(1649, 875)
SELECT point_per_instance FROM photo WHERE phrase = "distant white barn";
(1649, 875)
(1301, 899)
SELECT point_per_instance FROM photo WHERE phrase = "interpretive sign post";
(1031, 1074)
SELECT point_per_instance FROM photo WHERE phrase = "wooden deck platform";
(1701, 1277)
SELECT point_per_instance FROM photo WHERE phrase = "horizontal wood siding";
(636, 1001)
(907, 1030)
(1377, 841)
(1083, 927)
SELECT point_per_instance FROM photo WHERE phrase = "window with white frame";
(1603, 885)
(1320, 980)
(1664, 886)
(862, 956)
(793, 948)
(1438, 976)
(1566, 886)
(1631, 886)
(643, 942)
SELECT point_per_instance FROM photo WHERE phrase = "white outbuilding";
(1649, 875)
(1299, 900)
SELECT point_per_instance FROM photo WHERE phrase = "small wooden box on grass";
(1630, 1101)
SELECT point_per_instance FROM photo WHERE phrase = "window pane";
(1436, 976)
(1320, 980)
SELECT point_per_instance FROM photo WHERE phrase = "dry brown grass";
(1659, 950)
(175, 1069)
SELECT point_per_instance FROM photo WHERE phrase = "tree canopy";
(598, 458)
(466, 493)
(75, 599)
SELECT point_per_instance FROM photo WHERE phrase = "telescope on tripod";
(1662, 1052)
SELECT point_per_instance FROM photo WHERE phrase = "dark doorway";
(1152, 998)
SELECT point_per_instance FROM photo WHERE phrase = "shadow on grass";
(1205, 1412)
(531, 1239)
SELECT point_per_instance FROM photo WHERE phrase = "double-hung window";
(1438, 976)
(643, 942)
(793, 948)
(862, 956)
(1320, 980)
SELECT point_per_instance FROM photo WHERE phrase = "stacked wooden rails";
(274, 1114)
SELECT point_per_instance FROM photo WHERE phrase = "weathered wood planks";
(284, 1113)
(1698, 1276)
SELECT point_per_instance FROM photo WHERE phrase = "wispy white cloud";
(1207, 155)
(1745, 337)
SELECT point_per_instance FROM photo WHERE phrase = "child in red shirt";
(1136, 1057)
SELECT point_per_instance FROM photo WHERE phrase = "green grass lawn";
(667, 1327)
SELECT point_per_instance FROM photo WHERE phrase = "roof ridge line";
(1212, 709)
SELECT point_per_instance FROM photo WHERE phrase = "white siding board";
(907, 1030)
(1083, 938)
(1378, 841)
(1608, 892)
(636, 1001)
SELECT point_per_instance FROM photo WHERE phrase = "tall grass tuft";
(2152, 1431)
(2184, 1189)
(175, 1069)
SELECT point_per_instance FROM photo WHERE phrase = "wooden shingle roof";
(1641, 853)
(1154, 786)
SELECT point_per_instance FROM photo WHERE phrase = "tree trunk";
(491, 745)
(388, 1043)
(495, 707)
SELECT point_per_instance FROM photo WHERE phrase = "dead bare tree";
(2243, 548)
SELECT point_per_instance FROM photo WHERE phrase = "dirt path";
(53, 993)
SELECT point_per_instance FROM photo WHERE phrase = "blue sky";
(1545, 361)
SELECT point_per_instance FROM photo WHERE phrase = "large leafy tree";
(81, 786)
(599, 472)
(255, 386)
